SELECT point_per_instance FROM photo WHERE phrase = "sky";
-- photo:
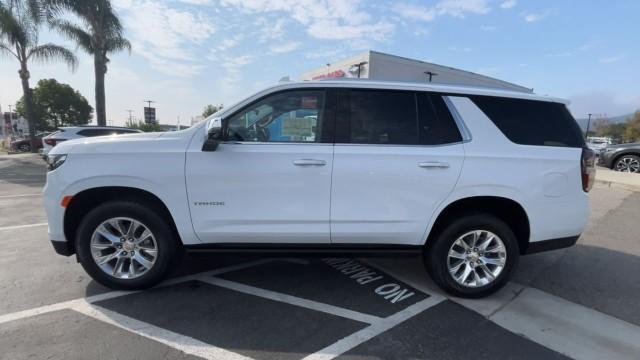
(189, 53)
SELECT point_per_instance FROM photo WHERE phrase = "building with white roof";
(380, 66)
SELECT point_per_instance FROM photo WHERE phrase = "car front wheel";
(125, 245)
(628, 163)
(24, 147)
(473, 256)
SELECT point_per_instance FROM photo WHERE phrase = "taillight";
(588, 168)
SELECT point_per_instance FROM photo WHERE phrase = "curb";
(617, 185)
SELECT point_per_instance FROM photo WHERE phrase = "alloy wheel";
(124, 248)
(476, 258)
(628, 164)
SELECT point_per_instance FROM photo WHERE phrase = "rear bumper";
(63, 247)
(551, 244)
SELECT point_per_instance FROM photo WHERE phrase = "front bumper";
(64, 248)
(551, 244)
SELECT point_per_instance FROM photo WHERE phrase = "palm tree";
(101, 34)
(19, 25)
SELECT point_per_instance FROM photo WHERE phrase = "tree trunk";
(28, 105)
(100, 70)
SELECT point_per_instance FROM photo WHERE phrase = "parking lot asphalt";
(580, 302)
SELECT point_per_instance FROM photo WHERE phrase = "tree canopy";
(210, 110)
(632, 130)
(56, 105)
(141, 125)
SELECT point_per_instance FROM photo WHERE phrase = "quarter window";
(530, 122)
(293, 116)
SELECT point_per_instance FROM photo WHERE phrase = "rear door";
(398, 154)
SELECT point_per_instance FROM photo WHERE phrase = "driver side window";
(293, 116)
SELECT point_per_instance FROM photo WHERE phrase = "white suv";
(469, 178)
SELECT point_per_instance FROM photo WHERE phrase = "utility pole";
(10, 120)
(588, 125)
(359, 66)
(149, 101)
(130, 112)
(431, 75)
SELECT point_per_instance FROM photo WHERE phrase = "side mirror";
(213, 135)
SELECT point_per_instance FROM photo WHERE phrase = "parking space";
(221, 306)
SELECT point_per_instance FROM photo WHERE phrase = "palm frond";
(118, 44)
(6, 49)
(74, 33)
(50, 52)
(11, 28)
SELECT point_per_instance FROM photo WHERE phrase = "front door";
(398, 155)
(269, 182)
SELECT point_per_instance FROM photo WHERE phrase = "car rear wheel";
(24, 147)
(473, 256)
(125, 245)
(628, 163)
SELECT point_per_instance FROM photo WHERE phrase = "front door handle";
(309, 162)
(434, 164)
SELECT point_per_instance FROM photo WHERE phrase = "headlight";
(55, 161)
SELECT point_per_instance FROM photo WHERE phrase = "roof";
(401, 85)
(94, 127)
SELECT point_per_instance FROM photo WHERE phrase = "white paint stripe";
(342, 346)
(114, 294)
(293, 300)
(183, 343)
(17, 196)
(571, 329)
(22, 226)
(36, 311)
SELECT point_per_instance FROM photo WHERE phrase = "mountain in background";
(613, 120)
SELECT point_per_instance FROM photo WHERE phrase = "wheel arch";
(92, 197)
(508, 210)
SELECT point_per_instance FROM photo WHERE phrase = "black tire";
(24, 147)
(634, 159)
(436, 254)
(163, 233)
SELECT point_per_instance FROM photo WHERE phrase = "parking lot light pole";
(586, 135)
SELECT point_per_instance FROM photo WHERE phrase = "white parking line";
(114, 294)
(293, 300)
(22, 226)
(569, 328)
(180, 342)
(17, 196)
(566, 327)
(192, 346)
(342, 346)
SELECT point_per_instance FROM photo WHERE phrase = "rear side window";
(95, 132)
(383, 117)
(436, 122)
(399, 118)
(530, 122)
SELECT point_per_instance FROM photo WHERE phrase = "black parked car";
(623, 157)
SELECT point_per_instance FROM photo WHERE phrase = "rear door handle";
(434, 164)
(309, 162)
